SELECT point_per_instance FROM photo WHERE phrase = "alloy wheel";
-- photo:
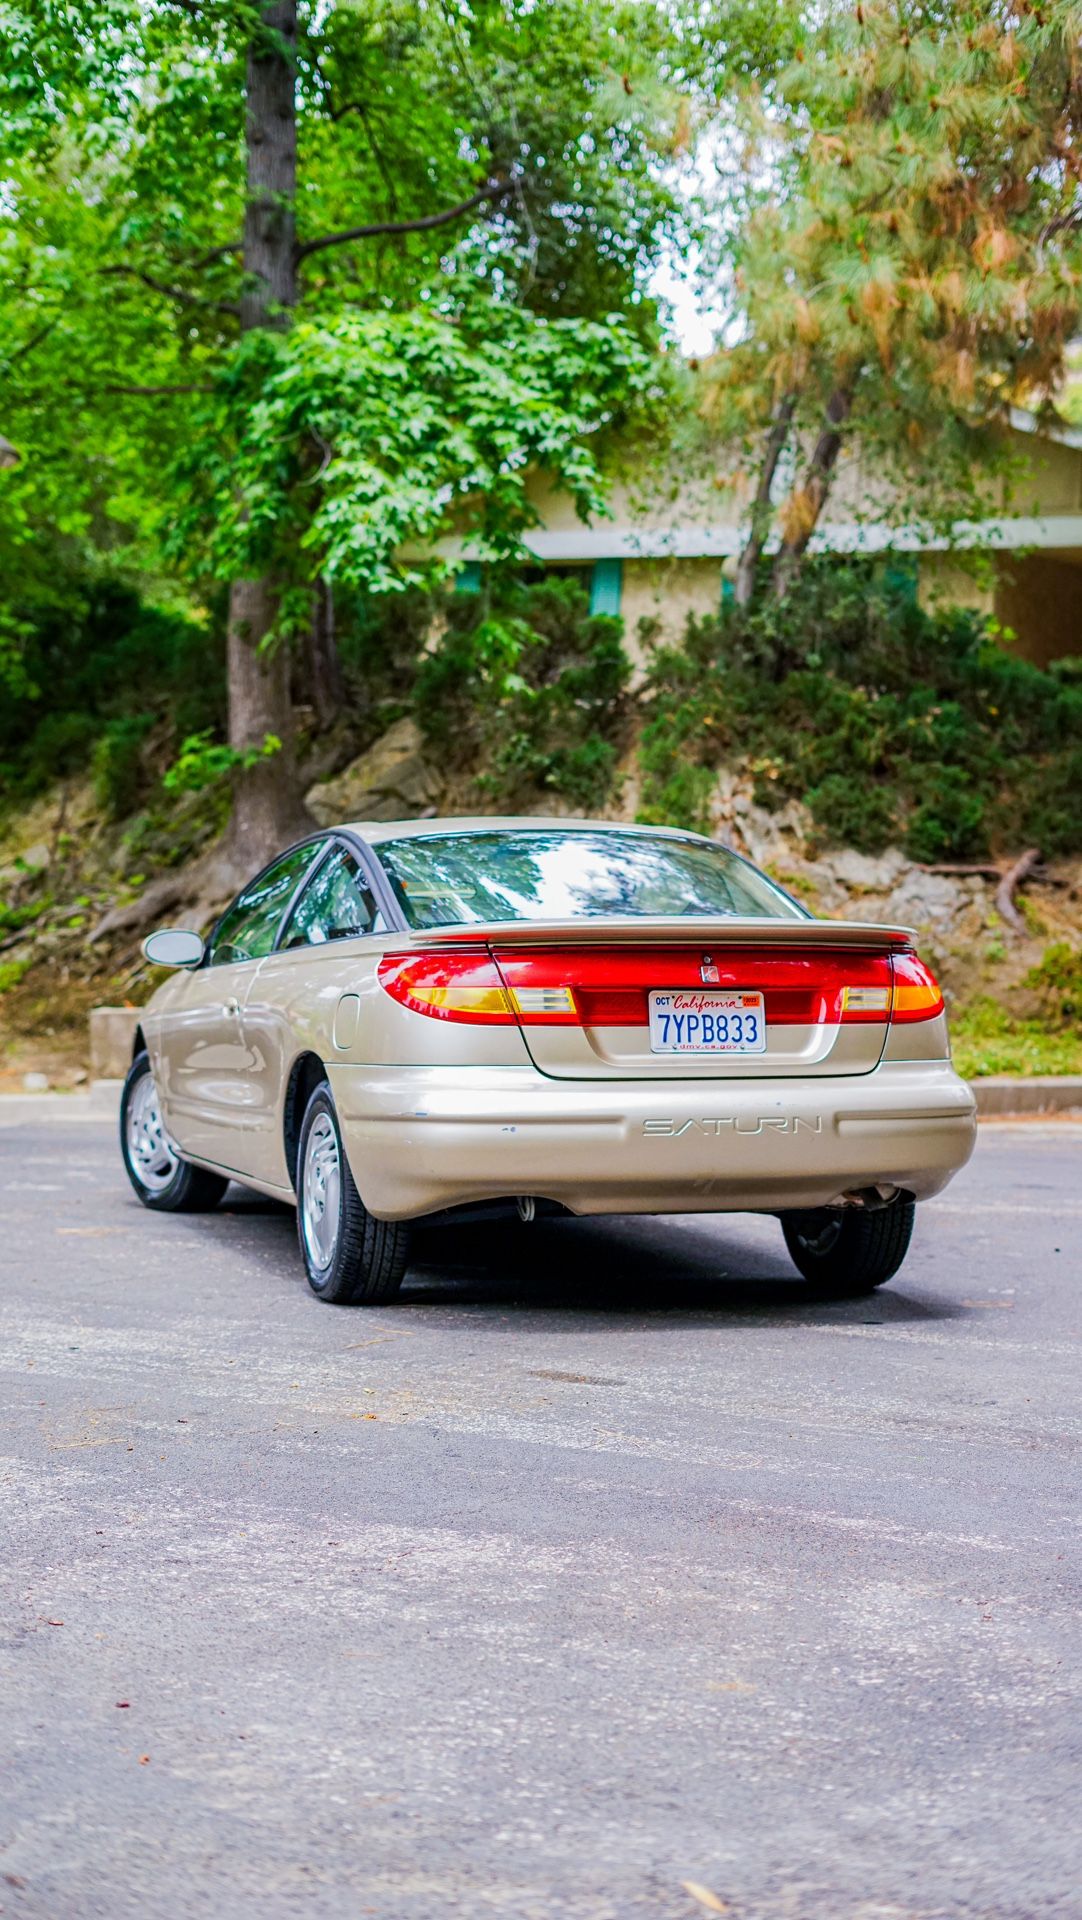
(150, 1149)
(321, 1188)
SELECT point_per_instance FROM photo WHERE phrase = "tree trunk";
(267, 810)
(814, 492)
(270, 274)
(324, 667)
(748, 564)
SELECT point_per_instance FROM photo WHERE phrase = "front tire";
(849, 1251)
(163, 1181)
(350, 1258)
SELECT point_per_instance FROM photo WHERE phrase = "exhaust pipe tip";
(870, 1199)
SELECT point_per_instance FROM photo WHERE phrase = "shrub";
(890, 723)
(117, 765)
(525, 684)
(862, 817)
(97, 665)
(1056, 981)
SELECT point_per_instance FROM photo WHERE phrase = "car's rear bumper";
(422, 1139)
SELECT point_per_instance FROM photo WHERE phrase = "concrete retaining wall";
(112, 1030)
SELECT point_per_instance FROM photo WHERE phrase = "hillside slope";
(76, 908)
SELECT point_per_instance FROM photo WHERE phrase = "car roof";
(376, 831)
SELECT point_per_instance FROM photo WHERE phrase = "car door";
(207, 1072)
(304, 990)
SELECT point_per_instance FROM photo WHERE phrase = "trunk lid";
(817, 979)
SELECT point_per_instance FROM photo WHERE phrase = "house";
(670, 548)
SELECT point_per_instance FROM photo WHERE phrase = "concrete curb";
(999, 1093)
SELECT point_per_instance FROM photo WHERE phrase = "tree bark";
(748, 564)
(267, 811)
(814, 492)
(270, 282)
(324, 667)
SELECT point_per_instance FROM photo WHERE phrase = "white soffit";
(610, 541)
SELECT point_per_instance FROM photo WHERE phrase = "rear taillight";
(916, 993)
(610, 986)
(469, 987)
(448, 986)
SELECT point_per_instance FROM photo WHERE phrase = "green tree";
(289, 284)
(909, 264)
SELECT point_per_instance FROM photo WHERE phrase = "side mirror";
(173, 947)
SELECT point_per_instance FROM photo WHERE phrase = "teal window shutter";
(900, 577)
(606, 585)
(468, 579)
(728, 591)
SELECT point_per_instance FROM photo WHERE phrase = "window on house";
(603, 581)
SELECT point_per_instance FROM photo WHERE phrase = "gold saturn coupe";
(410, 1019)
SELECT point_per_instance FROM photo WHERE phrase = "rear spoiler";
(675, 930)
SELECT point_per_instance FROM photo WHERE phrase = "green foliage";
(99, 668)
(123, 156)
(526, 683)
(57, 748)
(11, 972)
(1056, 983)
(117, 764)
(987, 1038)
(855, 814)
(890, 723)
(14, 918)
(205, 762)
(326, 451)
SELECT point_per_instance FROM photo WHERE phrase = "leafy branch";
(204, 762)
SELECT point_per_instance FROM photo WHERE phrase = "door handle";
(232, 1007)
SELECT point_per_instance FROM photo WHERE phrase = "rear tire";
(350, 1258)
(848, 1250)
(163, 1181)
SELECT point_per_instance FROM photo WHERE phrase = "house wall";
(666, 592)
(943, 581)
(1051, 477)
(655, 501)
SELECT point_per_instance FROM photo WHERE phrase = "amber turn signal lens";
(447, 986)
(916, 993)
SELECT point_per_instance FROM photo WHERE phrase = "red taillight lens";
(916, 993)
(470, 987)
(448, 986)
(609, 986)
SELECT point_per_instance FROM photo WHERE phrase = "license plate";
(707, 1023)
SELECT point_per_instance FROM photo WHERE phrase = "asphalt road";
(604, 1562)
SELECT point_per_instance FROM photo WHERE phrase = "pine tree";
(913, 267)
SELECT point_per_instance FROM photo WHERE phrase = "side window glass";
(247, 929)
(337, 904)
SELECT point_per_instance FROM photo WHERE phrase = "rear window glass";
(550, 874)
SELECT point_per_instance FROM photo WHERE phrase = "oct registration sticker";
(708, 1022)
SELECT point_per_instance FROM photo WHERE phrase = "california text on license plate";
(692, 1022)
